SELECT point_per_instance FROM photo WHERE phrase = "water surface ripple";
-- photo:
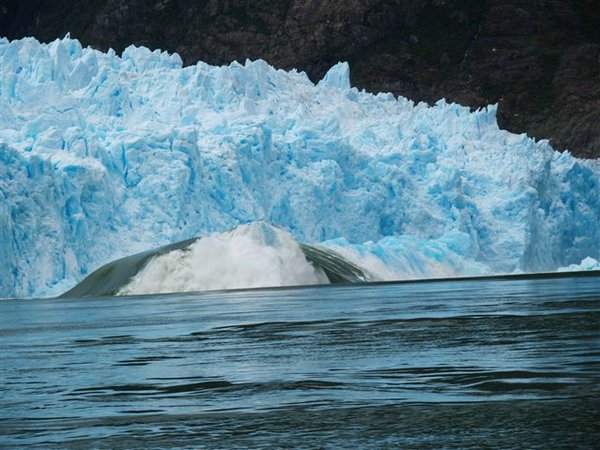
(458, 364)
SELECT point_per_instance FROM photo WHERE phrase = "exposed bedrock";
(539, 60)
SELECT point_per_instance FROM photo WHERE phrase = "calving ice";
(105, 156)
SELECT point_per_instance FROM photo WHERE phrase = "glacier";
(102, 156)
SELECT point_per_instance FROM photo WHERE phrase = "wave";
(261, 254)
(252, 255)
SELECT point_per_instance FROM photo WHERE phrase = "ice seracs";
(102, 156)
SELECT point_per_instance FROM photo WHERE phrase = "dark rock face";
(539, 60)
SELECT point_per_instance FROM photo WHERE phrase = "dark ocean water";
(457, 364)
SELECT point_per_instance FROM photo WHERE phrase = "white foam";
(252, 255)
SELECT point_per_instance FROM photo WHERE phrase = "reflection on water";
(509, 363)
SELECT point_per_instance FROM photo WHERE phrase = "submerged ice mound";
(102, 156)
(253, 255)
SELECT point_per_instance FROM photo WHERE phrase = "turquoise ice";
(102, 156)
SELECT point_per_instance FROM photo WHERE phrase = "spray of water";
(252, 255)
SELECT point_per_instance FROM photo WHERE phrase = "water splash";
(252, 255)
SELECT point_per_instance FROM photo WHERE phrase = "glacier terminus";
(103, 156)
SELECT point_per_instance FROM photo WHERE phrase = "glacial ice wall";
(102, 156)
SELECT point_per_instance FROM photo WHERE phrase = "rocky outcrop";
(539, 60)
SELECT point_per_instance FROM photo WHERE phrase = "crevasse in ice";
(103, 155)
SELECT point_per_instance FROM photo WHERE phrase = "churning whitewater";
(104, 156)
(254, 255)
